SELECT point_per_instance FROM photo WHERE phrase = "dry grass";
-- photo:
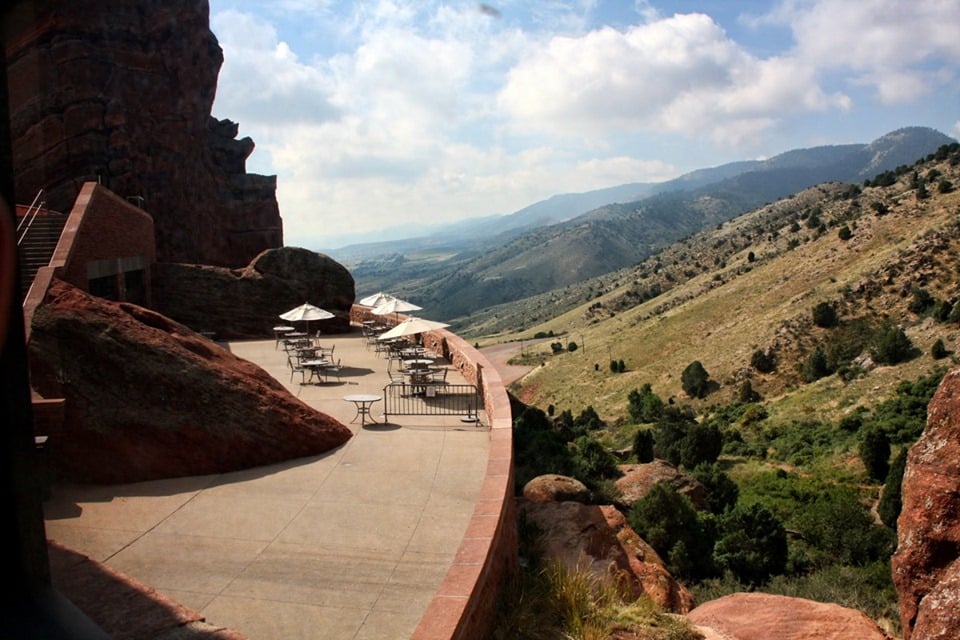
(721, 317)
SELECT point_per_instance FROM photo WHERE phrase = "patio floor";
(351, 544)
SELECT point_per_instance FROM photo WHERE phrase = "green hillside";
(718, 306)
(821, 323)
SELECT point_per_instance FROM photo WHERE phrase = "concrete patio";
(352, 544)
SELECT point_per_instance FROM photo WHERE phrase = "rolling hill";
(543, 248)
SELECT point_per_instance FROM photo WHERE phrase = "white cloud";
(682, 74)
(902, 49)
(386, 111)
(262, 80)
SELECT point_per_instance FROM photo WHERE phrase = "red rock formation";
(148, 398)
(245, 303)
(555, 488)
(926, 565)
(760, 616)
(599, 540)
(120, 92)
(638, 479)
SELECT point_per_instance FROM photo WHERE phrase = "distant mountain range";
(569, 238)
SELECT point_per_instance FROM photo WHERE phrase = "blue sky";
(387, 116)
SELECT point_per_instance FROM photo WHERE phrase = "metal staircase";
(38, 232)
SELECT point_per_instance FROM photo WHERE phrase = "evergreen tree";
(752, 544)
(875, 453)
(695, 380)
(891, 502)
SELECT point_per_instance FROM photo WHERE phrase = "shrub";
(938, 350)
(747, 394)
(892, 346)
(891, 502)
(825, 315)
(844, 233)
(875, 453)
(762, 361)
(752, 544)
(722, 492)
(644, 405)
(695, 380)
(838, 529)
(593, 461)
(816, 366)
(643, 445)
(670, 524)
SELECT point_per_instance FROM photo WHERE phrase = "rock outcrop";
(638, 479)
(148, 398)
(760, 616)
(926, 565)
(556, 488)
(598, 539)
(245, 303)
(120, 92)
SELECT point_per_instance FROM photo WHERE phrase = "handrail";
(27, 221)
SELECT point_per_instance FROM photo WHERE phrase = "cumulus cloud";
(900, 49)
(377, 112)
(681, 74)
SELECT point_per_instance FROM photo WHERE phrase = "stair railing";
(29, 217)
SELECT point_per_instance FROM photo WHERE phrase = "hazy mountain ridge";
(457, 278)
(751, 285)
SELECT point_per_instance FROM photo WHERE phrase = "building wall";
(107, 239)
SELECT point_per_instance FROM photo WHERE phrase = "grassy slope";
(722, 315)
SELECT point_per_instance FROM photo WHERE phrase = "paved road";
(499, 354)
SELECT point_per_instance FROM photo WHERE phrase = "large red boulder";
(245, 303)
(761, 616)
(598, 539)
(148, 398)
(638, 479)
(926, 565)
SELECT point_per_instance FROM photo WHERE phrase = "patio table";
(363, 402)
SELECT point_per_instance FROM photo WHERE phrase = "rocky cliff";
(245, 303)
(148, 398)
(926, 565)
(121, 92)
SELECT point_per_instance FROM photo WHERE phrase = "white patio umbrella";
(412, 326)
(394, 306)
(305, 313)
(376, 299)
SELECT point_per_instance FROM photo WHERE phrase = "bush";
(938, 350)
(593, 461)
(643, 445)
(747, 394)
(844, 233)
(752, 544)
(892, 346)
(695, 380)
(670, 524)
(644, 405)
(891, 502)
(722, 492)
(838, 529)
(825, 315)
(817, 366)
(875, 453)
(681, 440)
(762, 361)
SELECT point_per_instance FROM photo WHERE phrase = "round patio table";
(363, 402)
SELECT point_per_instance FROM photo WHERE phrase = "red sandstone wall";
(102, 226)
